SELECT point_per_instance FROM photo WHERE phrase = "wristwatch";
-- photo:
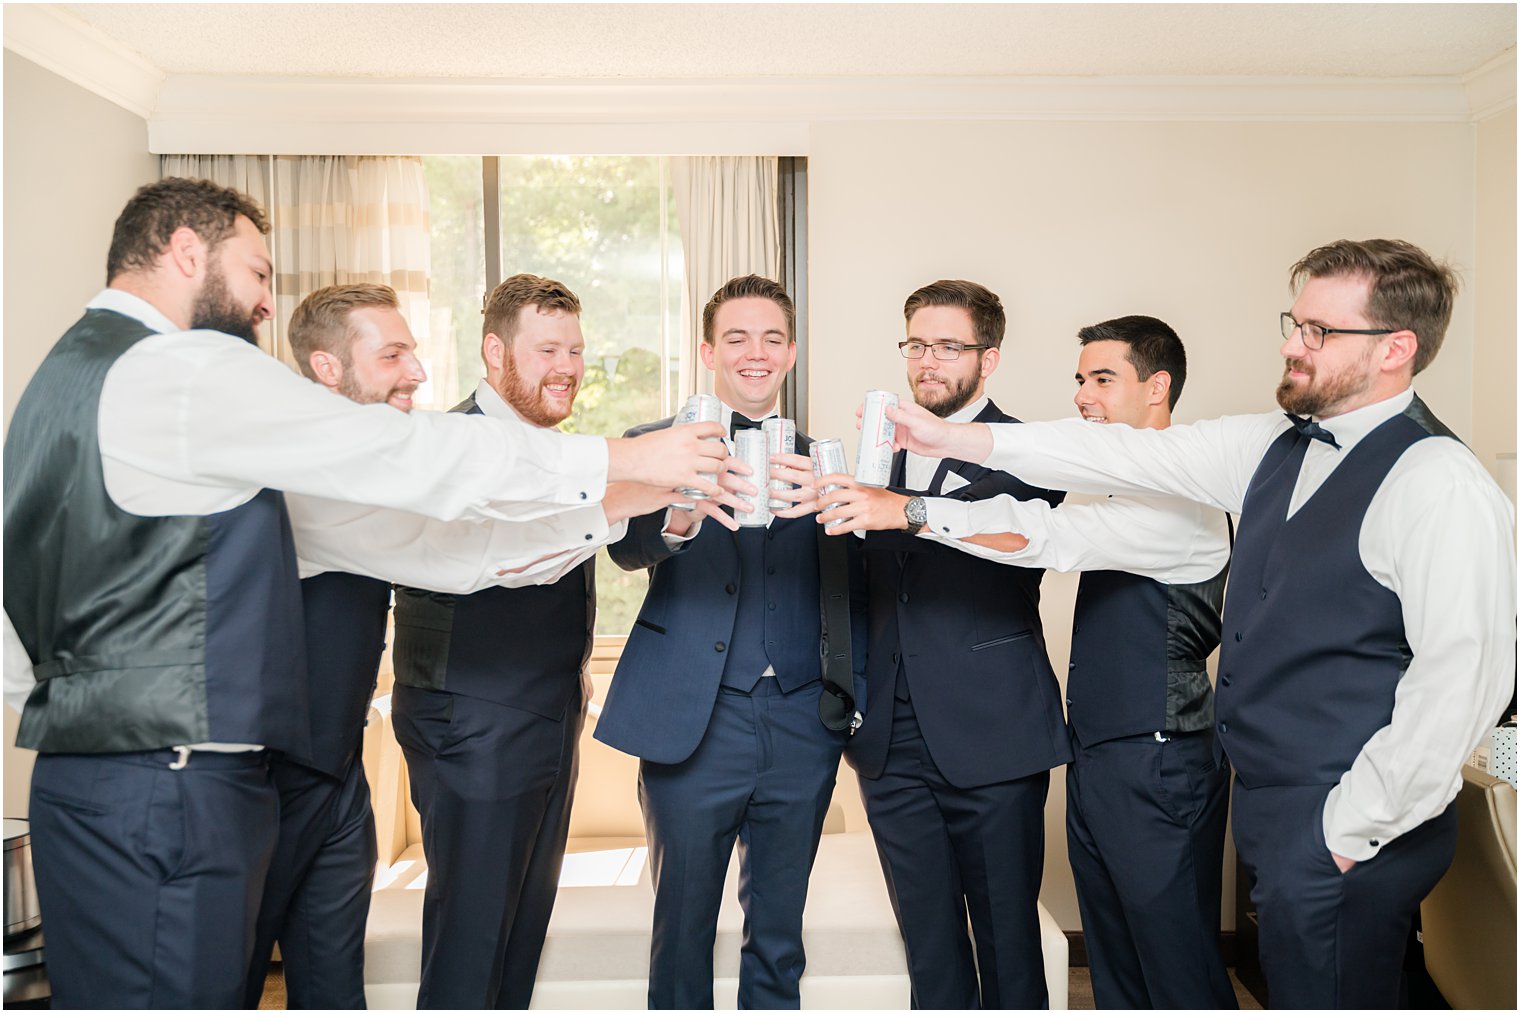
(917, 513)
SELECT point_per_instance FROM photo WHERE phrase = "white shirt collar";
(1350, 428)
(971, 411)
(136, 307)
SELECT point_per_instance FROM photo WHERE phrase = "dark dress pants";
(1145, 827)
(316, 897)
(493, 785)
(948, 852)
(149, 878)
(763, 775)
(1332, 940)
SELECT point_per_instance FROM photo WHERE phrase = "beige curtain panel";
(726, 206)
(334, 220)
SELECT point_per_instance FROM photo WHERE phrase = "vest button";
(1075, 629)
(894, 657)
(1071, 666)
(1068, 702)
(1224, 680)
(1263, 594)
(771, 606)
(1239, 636)
(720, 647)
(769, 533)
(903, 597)
(1223, 728)
(730, 589)
(770, 570)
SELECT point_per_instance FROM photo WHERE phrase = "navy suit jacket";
(666, 683)
(967, 633)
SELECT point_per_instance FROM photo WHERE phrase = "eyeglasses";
(1314, 334)
(945, 351)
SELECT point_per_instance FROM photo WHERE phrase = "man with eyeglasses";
(963, 720)
(1369, 624)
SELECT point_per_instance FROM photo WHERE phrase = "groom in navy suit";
(965, 720)
(736, 690)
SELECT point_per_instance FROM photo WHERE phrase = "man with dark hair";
(1368, 638)
(162, 610)
(735, 690)
(954, 771)
(1145, 797)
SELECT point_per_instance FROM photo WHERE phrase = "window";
(606, 227)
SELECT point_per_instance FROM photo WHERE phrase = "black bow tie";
(739, 422)
(1311, 429)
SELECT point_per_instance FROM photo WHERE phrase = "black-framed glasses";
(1314, 334)
(945, 351)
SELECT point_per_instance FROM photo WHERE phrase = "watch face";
(917, 512)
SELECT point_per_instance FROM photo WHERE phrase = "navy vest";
(523, 647)
(1139, 650)
(345, 637)
(146, 632)
(763, 592)
(1313, 646)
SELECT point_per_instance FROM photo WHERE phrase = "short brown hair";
(321, 324)
(988, 322)
(749, 286)
(525, 290)
(157, 210)
(1409, 290)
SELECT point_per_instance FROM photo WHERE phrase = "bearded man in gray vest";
(1369, 622)
(1146, 796)
(161, 609)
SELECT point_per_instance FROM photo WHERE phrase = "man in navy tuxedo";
(964, 720)
(735, 690)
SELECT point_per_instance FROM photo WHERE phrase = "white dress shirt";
(1438, 533)
(1174, 541)
(725, 416)
(919, 471)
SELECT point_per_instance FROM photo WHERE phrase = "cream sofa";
(597, 952)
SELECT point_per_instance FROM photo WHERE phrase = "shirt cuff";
(583, 472)
(1347, 834)
(674, 542)
(948, 518)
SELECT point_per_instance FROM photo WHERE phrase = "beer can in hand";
(753, 448)
(828, 459)
(873, 463)
(781, 438)
(698, 408)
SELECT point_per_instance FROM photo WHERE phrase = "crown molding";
(210, 114)
(1491, 87)
(53, 38)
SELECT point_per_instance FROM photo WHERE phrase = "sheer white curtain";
(727, 209)
(334, 220)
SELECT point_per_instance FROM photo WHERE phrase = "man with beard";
(1369, 623)
(353, 340)
(736, 688)
(1146, 797)
(161, 609)
(490, 697)
(964, 715)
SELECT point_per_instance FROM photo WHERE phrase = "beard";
(955, 395)
(215, 309)
(1325, 397)
(527, 398)
(349, 387)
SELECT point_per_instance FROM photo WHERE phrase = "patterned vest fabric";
(1139, 652)
(1313, 647)
(147, 632)
(523, 647)
(345, 638)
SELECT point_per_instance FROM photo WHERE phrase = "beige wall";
(1196, 223)
(71, 161)
(1492, 291)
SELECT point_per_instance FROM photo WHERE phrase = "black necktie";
(739, 422)
(1311, 429)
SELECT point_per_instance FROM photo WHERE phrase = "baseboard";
(1076, 948)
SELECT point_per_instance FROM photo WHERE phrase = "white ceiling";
(538, 41)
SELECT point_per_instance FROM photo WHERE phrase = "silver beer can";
(828, 459)
(781, 438)
(873, 463)
(698, 408)
(753, 448)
